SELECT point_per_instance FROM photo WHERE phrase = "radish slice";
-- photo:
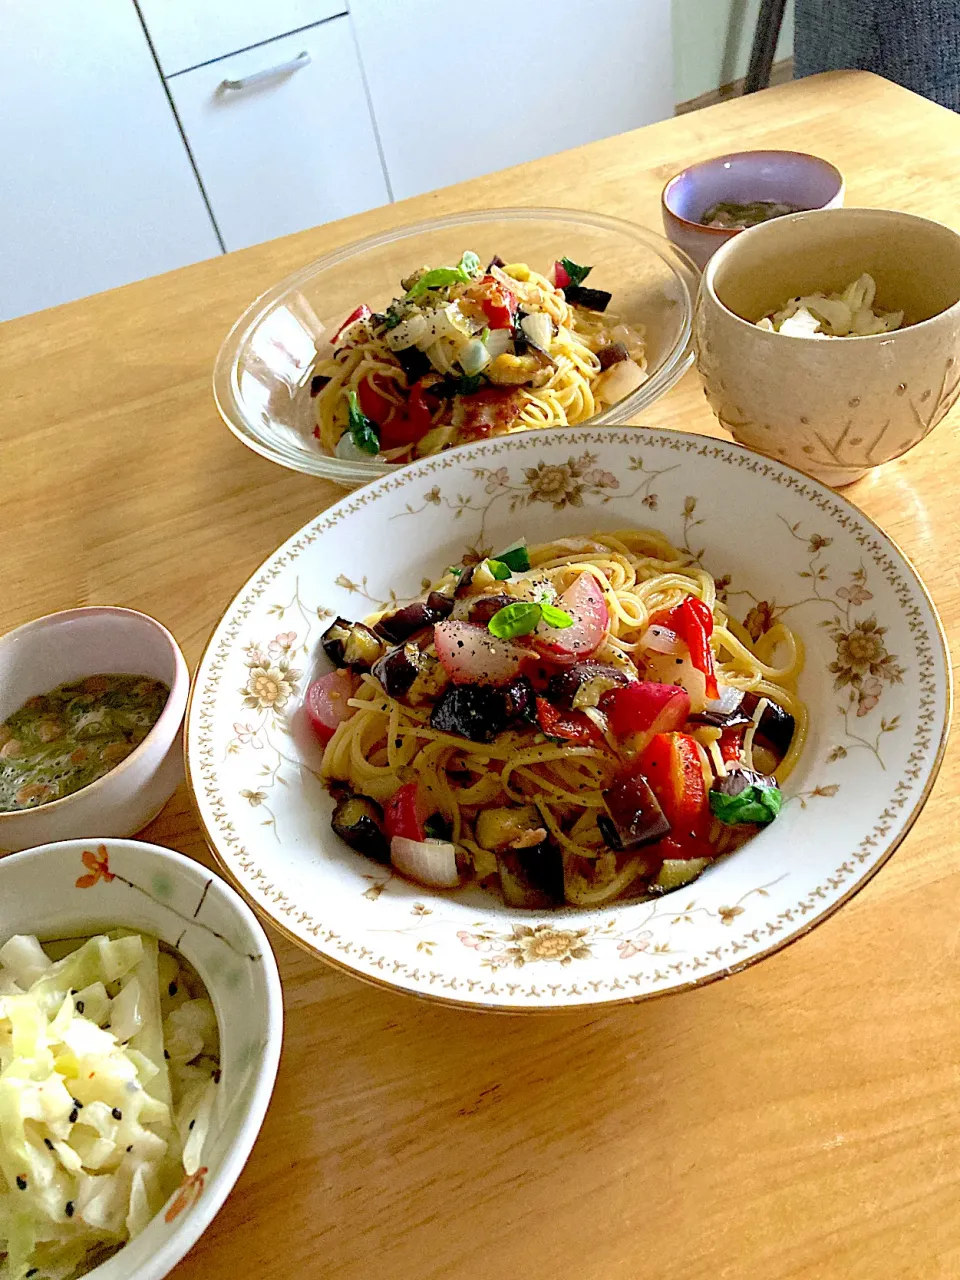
(585, 603)
(679, 671)
(429, 862)
(645, 705)
(326, 702)
(471, 655)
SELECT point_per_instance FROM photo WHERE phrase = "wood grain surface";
(799, 1120)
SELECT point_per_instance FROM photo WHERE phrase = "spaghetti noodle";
(622, 692)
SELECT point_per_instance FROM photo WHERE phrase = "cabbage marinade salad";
(109, 1063)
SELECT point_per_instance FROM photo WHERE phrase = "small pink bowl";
(99, 640)
(792, 177)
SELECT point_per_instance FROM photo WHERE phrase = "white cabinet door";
(96, 187)
(292, 145)
(188, 32)
(461, 89)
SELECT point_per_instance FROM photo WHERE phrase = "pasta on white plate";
(467, 353)
(573, 722)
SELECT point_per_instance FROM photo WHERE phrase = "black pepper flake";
(130, 1148)
(68, 1209)
(191, 1124)
(117, 1113)
(21, 1182)
(398, 743)
(166, 1055)
(32, 1272)
(80, 1006)
(48, 1144)
(172, 989)
(216, 1076)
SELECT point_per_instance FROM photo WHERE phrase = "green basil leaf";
(440, 277)
(576, 273)
(753, 804)
(515, 557)
(437, 827)
(515, 620)
(468, 385)
(364, 432)
(555, 617)
(499, 570)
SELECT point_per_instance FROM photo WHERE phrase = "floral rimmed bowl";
(876, 680)
(77, 888)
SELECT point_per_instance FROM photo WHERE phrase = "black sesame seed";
(21, 1182)
(191, 1124)
(398, 743)
(172, 989)
(31, 1272)
(130, 1148)
(80, 1006)
(74, 1116)
(48, 1144)
(77, 1103)
(117, 1113)
(216, 1076)
(166, 1055)
(68, 1209)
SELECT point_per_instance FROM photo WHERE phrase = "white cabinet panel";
(290, 150)
(96, 187)
(461, 89)
(188, 32)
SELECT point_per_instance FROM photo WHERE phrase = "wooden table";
(799, 1120)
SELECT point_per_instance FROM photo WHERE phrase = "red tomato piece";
(731, 744)
(671, 765)
(572, 726)
(326, 702)
(361, 313)
(498, 303)
(404, 814)
(376, 406)
(561, 277)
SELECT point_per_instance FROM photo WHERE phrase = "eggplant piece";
(464, 582)
(720, 719)
(428, 684)
(614, 354)
(499, 829)
(633, 816)
(495, 261)
(399, 668)
(334, 639)
(358, 821)
(565, 685)
(776, 726)
(483, 609)
(521, 700)
(414, 363)
(317, 383)
(362, 648)
(405, 622)
(474, 711)
(676, 872)
(531, 878)
(593, 299)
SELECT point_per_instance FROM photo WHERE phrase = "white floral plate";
(877, 682)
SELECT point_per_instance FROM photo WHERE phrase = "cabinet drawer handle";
(258, 77)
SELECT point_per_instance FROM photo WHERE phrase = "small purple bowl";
(790, 177)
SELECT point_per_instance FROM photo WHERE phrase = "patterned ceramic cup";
(834, 408)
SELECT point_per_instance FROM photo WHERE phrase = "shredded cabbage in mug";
(108, 1071)
(834, 315)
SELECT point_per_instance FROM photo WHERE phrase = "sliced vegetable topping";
(524, 616)
(671, 764)
(634, 815)
(404, 814)
(361, 313)
(516, 557)
(358, 821)
(745, 796)
(592, 299)
(326, 702)
(584, 602)
(479, 712)
(472, 655)
(362, 431)
(463, 272)
(499, 569)
(643, 706)
(570, 726)
(692, 620)
(572, 271)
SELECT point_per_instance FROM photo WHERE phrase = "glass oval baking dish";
(261, 379)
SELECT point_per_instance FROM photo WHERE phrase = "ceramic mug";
(834, 408)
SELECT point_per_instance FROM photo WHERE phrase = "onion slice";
(429, 862)
(663, 640)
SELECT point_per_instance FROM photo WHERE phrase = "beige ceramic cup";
(833, 408)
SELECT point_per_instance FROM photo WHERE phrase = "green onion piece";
(555, 617)
(364, 432)
(753, 804)
(513, 620)
(499, 570)
(516, 557)
(576, 273)
(455, 569)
